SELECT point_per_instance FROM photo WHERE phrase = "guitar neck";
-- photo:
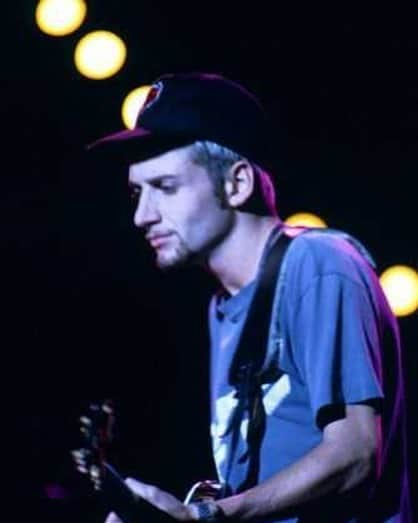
(130, 508)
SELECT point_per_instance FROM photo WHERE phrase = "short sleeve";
(336, 346)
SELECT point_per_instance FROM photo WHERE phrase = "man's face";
(177, 208)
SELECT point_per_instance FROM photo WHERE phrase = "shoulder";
(318, 253)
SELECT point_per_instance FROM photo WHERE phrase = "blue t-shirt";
(334, 341)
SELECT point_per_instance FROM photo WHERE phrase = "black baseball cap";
(183, 108)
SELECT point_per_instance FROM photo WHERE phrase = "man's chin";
(168, 263)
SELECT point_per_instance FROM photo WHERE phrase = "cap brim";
(134, 145)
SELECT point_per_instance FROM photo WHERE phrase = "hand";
(160, 499)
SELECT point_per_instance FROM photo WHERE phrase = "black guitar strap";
(246, 369)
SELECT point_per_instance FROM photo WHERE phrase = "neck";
(235, 261)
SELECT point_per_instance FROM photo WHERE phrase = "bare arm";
(344, 459)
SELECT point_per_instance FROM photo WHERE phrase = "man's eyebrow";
(154, 179)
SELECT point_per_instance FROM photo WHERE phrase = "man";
(332, 447)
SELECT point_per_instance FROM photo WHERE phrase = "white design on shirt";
(273, 395)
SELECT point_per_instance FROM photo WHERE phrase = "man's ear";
(239, 183)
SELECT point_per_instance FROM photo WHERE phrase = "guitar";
(97, 430)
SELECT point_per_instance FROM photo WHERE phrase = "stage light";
(60, 17)
(99, 55)
(400, 285)
(305, 219)
(132, 104)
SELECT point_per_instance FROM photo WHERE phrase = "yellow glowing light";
(60, 17)
(100, 54)
(400, 285)
(305, 219)
(132, 105)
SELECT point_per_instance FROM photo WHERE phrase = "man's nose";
(146, 212)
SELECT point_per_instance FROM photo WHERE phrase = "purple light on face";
(55, 491)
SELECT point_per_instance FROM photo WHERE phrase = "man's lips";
(158, 239)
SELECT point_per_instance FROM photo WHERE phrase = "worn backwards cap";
(183, 108)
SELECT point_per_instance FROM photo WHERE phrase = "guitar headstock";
(91, 460)
(97, 430)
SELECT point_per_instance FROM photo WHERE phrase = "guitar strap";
(247, 366)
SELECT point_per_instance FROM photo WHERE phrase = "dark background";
(85, 313)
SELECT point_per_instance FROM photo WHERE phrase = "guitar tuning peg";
(95, 476)
(94, 472)
(107, 408)
(81, 457)
(77, 454)
(86, 421)
(81, 454)
(82, 469)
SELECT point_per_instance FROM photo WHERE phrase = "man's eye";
(135, 194)
(167, 187)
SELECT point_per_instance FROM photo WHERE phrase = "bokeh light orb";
(132, 105)
(305, 219)
(400, 285)
(99, 55)
(60, 17)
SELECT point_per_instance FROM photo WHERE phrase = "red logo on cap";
(152, 96)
